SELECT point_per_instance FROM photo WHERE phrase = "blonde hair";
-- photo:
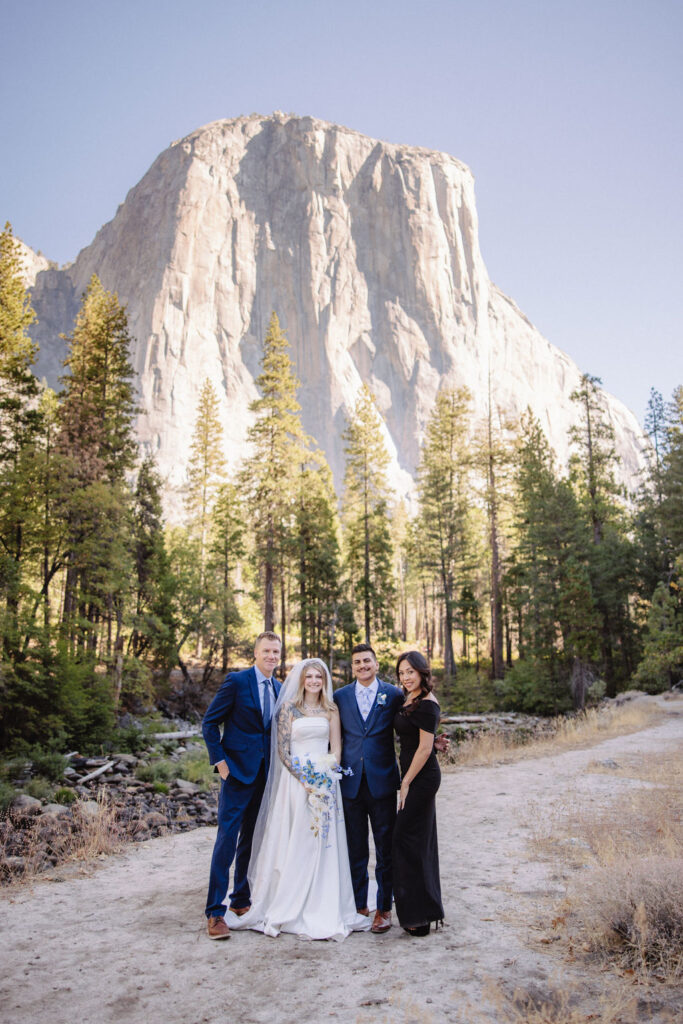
(325, 702)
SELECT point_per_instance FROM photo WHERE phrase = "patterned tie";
(366, 702)
(266, 703)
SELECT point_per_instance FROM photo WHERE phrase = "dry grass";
(626, 905)
(558, 734)
(42, 843)
(560, 1005)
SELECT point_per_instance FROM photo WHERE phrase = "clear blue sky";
(570, 115)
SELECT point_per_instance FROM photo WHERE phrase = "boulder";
(186, 787)
(24, 805)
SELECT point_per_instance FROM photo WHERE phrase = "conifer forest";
(530, 586)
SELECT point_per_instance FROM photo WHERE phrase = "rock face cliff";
(369, 254)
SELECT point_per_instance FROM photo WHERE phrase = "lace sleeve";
(285, 718)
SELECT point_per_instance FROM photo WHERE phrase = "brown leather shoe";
(365, 912)
(381, 922)
(217, 928)
(239, 911)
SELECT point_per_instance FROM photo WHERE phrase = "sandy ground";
(125, 942)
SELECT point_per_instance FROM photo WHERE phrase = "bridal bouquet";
(322, 801)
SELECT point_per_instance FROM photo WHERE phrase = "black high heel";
(422, 929)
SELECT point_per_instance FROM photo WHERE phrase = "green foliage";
(65, 796)
(367, 536)
(129, 740)
(48, 763)
(7, 795)
(471, 691)
(157, 770)
(662, 663)
(530, 686)
(40, 788)
(269, 477)
(444, 522)
(161, 787)
(195, 767)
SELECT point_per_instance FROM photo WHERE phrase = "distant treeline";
(547, 582)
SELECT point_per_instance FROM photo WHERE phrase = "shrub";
(195, 767)
(48, 764)
(637, 908)
(130, 739)
(65, 795)
(161, 787)
(7, 795)
(41, 789)
(157, 771)
(529, 686)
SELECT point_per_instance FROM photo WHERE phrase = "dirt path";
(127, 942)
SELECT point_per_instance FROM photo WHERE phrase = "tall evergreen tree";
(369, 554)
(205, 473)
(19, 423)
(97, 443)
(611, 556)
(444, 491)
(226, 550)
(318, 571)
(269, 477)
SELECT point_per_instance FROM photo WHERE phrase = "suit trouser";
(238, 807)
(382, 814)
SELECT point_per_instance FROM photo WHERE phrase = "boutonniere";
(382, 699)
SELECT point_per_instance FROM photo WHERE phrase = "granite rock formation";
(368, 252)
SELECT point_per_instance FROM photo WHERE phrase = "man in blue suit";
(367, 707)
(243, 707)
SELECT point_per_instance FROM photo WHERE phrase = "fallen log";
(98, 771)
(175, 735)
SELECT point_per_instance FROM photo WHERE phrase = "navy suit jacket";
(245, 743)
(369, 745)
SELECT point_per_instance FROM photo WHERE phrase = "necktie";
(266, 703)
(366, 703)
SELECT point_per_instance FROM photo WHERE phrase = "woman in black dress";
(415, 853)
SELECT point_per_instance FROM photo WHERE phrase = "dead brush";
(558, 1003)
(27, 848)
(626, 904)
(557, 734)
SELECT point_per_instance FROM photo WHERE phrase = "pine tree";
(19, 423)
(269, 477)
(443, 482)
(671, 508)
(205, 473)
(369, 554)
(97, 443)
(152, 632)
(226, 550)
(318, 571)
(98, 401)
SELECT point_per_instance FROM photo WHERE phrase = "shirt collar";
(372, 688)
(260, 678)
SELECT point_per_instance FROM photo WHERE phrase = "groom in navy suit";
(367, 707)
(243, 707)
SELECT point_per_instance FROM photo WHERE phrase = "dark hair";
(421, 665)
(360, 648)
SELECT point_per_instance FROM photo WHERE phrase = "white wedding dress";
(299, 875)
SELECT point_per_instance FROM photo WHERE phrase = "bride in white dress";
(299, 872)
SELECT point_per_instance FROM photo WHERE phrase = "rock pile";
(101, 792)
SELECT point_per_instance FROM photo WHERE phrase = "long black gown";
(415, 852)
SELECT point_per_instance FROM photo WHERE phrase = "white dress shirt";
(365, 697)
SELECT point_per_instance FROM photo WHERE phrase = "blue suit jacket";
(369, 745)
(244, 743)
